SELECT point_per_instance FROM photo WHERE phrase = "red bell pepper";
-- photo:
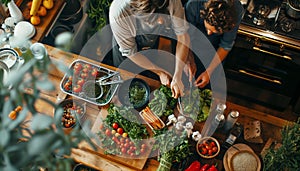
(195, 166)
(212, 168)
(204, 167)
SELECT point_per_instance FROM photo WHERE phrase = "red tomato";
(214, 149)
(115, 125)
(123, 150)
(77, 89)
(88, 66)
(80, 81)
(120, 130)
(85, 70)
(77, 66)
(213, 144)
(101, 126)
(210, 152)
(203, 151)
(67, 86)
(142, 150)
(107, 132)
(94, 72)
(84, 75)
(143, 146)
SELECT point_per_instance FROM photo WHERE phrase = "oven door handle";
(260, 77)
(271, 53)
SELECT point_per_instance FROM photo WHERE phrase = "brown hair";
(221, 14)
(147, 6)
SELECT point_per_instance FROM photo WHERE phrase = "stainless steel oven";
(264, 70)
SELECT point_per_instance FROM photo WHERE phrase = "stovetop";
(271, 17)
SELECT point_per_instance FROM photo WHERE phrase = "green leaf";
(46, 85)
(40, 142)
(40, 122)
(5, 136)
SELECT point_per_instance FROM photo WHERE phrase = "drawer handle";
(271, 53)
(260, 77)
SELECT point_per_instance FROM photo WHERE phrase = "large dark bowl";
(126, 87)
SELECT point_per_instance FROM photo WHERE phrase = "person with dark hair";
(137, 26)
(218, 20)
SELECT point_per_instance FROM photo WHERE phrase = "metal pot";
(293, 8)
(72, 13)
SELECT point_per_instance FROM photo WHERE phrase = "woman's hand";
(164, 78)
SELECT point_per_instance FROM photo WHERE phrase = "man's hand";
(202, 80)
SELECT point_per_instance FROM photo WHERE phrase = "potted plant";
(14, 10)
(287, 156)
(41, 141)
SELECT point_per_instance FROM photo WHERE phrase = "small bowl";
(74, 110)
(205, 144)
(126, 92)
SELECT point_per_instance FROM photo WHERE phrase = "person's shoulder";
(118, 8)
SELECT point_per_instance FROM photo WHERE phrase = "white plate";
(8, 56)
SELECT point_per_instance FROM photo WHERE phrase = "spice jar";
(231, 120)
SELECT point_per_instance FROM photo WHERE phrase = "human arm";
(182, 50)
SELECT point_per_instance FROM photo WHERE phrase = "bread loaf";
(252, 132)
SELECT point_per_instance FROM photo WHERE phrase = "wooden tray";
(134, 163)
(47, 21)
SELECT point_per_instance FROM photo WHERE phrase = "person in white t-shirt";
(137, 25)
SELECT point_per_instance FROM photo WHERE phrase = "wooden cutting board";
(134, 163)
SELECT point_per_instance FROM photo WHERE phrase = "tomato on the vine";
(120, 131)
(115, 125)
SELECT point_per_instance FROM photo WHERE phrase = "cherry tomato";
(77, 89)
(94, 72)
(77, 66)
(120, 131)
(215, 149)
(124, 135)
(80, 81)
(108, 132)
(203, 151)
(115, 125)
(84, 75)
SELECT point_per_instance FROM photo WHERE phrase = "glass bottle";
(220, 118)
(231, 119)
(233, 135)
(39, 52)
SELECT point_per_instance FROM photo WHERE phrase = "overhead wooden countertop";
(271, 125)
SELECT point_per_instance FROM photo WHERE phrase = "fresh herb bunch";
(287, 156)
(173, 147)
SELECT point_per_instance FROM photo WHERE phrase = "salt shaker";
(231, 120)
